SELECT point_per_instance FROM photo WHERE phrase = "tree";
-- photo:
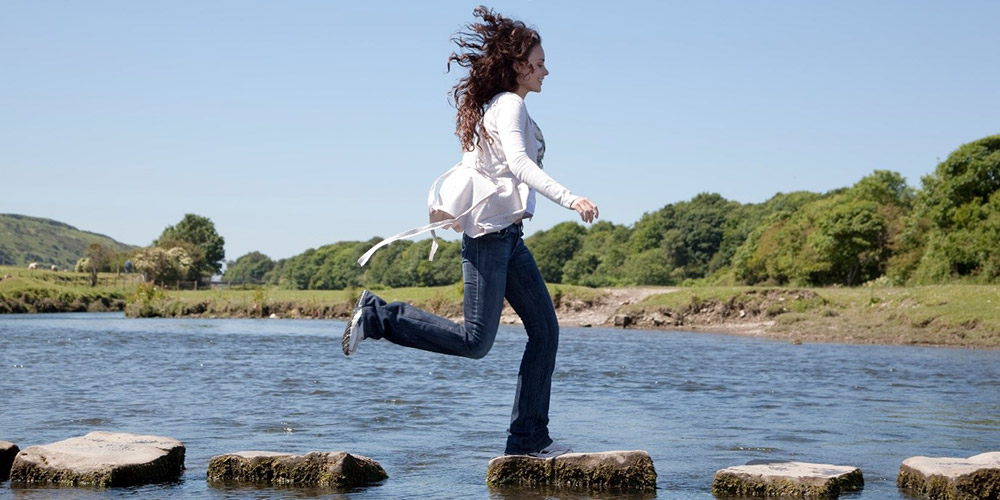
(601, 258)
(200, 232)
(250, 268)
(850, 243)
(98, 259)
(955, 225)
(553, 248)
(163, 265)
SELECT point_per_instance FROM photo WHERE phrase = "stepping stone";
(7, 453)
(101, 459)
(946, 478)
(336, 469)
(610, 470)
(787, 480)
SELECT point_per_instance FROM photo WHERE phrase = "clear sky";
(297, 124)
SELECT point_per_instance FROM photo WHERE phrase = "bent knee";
(478, 350)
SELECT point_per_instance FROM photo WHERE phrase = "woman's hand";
(440, 215)
(587, 210)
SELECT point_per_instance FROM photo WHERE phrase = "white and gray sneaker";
(551, 451)
(355, 331)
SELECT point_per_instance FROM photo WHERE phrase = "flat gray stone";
(787, 480)
(101, 459)
(976, 477)
(7, 453)
(334, 469)
(609, 470)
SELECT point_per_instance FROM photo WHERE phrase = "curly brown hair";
(489, 49)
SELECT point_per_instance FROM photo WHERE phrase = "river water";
(696, 402)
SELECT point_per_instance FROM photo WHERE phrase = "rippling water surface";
(696, 402)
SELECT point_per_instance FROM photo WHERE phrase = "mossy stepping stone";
(973, 478)
(100, 459)
(609, 470)
(787, 480)
(333, 469)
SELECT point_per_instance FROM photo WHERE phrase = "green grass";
(949, 315)
(444, 300)
(30, 291)
(953, 315)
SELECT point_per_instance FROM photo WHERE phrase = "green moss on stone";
(750, 486)
(165, 468)
(577, 471)
(982, 484)
(314, 469)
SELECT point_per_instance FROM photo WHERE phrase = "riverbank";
(45, 291)
(939, 315)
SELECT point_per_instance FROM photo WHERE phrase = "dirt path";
(600, 313)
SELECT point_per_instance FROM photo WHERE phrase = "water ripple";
(696, 402)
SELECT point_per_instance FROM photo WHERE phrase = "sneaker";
(551, 451)
(355, 330)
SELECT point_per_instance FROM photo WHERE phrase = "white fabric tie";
(433, 198)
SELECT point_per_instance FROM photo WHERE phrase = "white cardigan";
(493, 186)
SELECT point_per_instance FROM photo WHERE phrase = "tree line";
(880, 228)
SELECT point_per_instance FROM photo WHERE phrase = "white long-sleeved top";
(494, 185)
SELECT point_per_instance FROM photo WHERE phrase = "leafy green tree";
(553, 248)
(200, 232)
(678, 241)
(160, 265)
(601, 258)
(384, 268)
(249, 268)
(850, 244)
(97, 260)
(191, 251)
(409, 265)
(953, 231)
(742, 224)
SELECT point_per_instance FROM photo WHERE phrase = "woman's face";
(531, 72)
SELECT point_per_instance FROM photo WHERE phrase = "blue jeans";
(495, 266)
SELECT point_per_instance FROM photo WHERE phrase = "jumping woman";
(487, 196)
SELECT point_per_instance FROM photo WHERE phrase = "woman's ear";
(522, 68)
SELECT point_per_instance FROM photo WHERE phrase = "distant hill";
(25, 239)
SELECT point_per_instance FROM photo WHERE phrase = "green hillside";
(25, 239)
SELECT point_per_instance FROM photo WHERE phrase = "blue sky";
(297, 124)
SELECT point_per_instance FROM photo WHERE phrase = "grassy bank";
(943, 315)
(940, 315)
(33, 291)
(328, 304)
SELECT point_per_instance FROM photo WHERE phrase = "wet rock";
(787, 480)
(101, 459)
(976, 477)
(7, 453)
(337, 469)
(623, 320)
(610, 470)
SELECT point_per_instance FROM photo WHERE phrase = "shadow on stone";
(976, 477)
(323, 469)
(7, 453)
(100, 459)
(786, 480)
(622, 471)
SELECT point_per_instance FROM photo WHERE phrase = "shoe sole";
(345, 343)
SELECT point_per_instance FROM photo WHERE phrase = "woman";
(492, 190)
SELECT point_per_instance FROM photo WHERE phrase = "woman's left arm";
(512, 121)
